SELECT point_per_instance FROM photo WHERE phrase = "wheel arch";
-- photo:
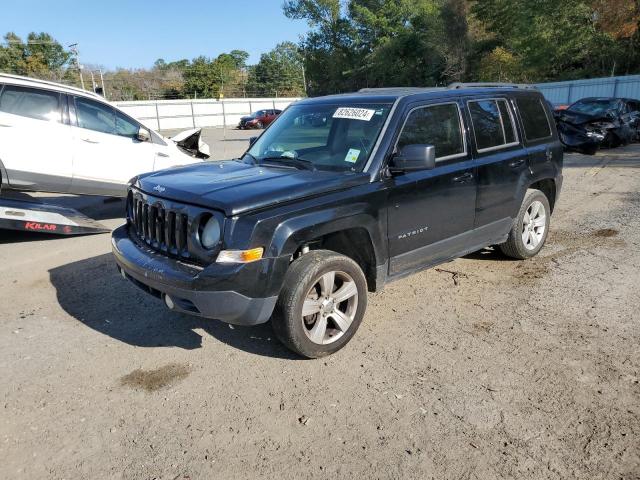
(549, 188)
(342, 230)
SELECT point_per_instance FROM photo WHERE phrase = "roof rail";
(397, 89)
(46, 82)
(458, 85)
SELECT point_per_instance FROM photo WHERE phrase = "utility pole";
(304, 80)
(74, 50)
(104, 92)
(93, 82)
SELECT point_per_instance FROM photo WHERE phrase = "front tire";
(321, 304)
(611, 140)
(530, 227)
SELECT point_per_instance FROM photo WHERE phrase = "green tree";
(40, 56)
(206, 77)
(372, 43)
(279, 72)
(240, 58)
(328, 50)
(550, 40)
(399, 42)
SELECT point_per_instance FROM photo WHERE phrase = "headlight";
(210, 233)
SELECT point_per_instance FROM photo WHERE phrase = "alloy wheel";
(534, 225)
(329, 307)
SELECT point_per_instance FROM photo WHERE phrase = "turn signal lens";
(240, 256)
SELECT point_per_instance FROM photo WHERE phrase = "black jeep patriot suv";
(315, 214)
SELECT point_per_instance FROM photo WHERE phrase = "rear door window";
(95, 116)
(437, 125)
(534, 118)
(32, 103)
(493, 124)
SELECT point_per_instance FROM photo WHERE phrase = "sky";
(133, 34)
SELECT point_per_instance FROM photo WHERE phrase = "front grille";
(159, 226)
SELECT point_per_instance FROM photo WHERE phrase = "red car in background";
(259, 119)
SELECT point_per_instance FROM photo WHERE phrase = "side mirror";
(414, 157)
(252, 140)
(143, 135)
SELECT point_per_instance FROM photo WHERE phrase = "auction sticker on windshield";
(352, 155)
(354, 113)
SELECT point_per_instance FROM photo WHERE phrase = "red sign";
(48, 227)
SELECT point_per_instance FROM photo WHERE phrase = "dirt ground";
(483, 368)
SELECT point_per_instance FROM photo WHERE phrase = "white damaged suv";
(56, 138)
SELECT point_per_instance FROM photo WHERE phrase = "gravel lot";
(483, 368)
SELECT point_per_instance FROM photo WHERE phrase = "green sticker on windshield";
(352, 155)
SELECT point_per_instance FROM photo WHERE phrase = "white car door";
(107, 153)
(35, 143)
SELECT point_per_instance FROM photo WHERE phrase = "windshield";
(594, 107)
(321, 137)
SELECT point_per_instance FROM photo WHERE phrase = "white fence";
(168, 114)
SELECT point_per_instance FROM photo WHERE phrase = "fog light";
(169, 302)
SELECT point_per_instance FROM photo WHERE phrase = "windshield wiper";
(288, 161)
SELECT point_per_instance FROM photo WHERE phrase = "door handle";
(517, 163)
(163, 155)
(549, 155)
(88, 140)
(463, 178)
(5, 125)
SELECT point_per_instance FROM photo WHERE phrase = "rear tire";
(332, 290)
(530, 227)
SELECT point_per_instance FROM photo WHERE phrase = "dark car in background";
(259, 119)
(311, 218)
(592, 123)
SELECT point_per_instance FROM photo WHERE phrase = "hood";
(234, 187)
(577, 118)
(191, 141)
(248, 117)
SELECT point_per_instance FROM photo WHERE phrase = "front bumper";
(243, 294)
(248, 124)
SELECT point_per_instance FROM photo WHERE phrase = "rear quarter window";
(534, 118)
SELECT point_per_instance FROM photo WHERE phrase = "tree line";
(351, 44)
(372, 43)
(278, 73)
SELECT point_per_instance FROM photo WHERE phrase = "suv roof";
(392, 94)
(34, 82)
